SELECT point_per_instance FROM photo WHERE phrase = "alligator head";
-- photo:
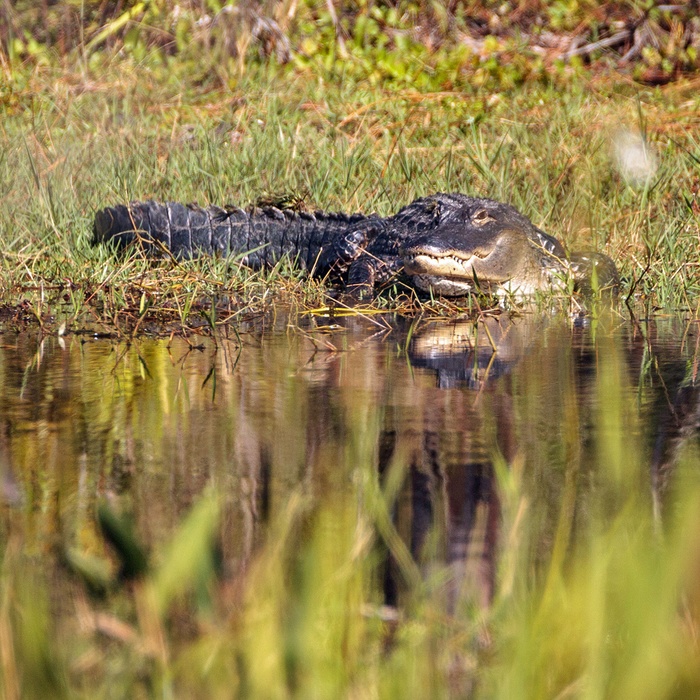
(491, 247)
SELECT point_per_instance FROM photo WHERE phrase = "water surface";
(438, 407)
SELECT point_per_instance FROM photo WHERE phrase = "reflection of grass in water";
(613, 615)
(608, 608)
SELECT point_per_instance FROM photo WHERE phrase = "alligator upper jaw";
(456, 260)
(445, 274)
(459, 259)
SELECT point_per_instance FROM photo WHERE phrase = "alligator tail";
(260, 237)
(182, 231)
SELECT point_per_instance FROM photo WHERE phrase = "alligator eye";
(481, 217)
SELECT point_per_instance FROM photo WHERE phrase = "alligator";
(446, 244)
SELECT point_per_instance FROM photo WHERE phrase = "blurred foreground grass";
(596, 592)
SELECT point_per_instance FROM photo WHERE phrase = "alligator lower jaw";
(452, 276)
(454, 287)
(444, 286)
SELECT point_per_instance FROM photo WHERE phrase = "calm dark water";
(149, 426)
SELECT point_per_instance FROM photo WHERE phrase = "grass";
(595, 596)
(71, 145)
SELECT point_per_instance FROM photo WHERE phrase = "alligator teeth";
(447, 265)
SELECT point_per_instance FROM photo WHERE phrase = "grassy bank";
(74, 142)
(118, 113)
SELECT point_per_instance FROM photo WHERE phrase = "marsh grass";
(73, 145)
(599, 601)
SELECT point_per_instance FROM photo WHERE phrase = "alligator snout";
(457, 259)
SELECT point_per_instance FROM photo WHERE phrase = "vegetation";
(583, 116)
(115, 111)
(424, 45)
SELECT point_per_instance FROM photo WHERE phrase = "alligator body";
(449, 244)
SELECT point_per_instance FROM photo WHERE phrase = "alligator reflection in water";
(451, 480)
(152, 424)
(452, 487)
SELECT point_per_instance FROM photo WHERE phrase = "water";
(435, 407)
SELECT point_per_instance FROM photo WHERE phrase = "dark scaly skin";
(451, 244)
(261, 236)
